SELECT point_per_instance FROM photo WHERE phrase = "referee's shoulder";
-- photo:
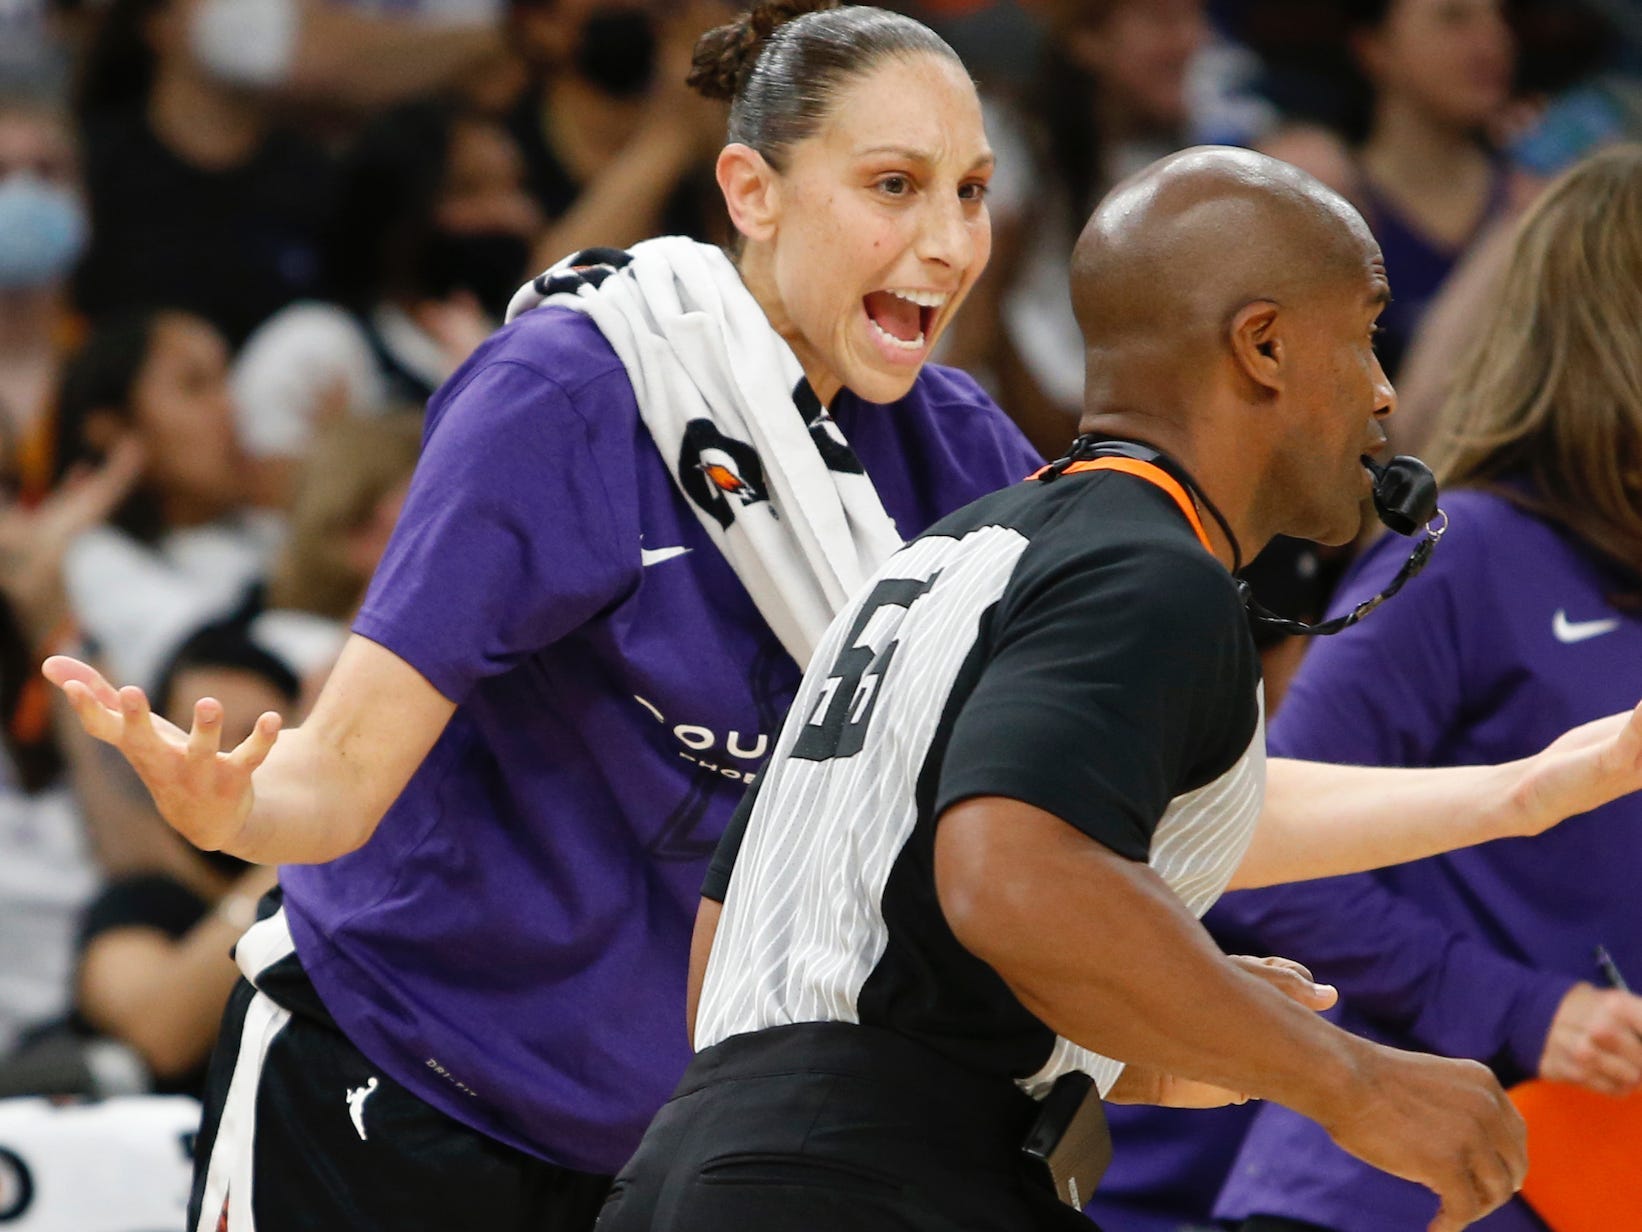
(1120, 526)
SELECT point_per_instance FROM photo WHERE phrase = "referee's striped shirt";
(1071, 645)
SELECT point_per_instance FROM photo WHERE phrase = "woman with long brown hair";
(1528, 620)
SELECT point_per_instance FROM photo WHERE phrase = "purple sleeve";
(508, 538)
(1402, 968)
(1385, 693)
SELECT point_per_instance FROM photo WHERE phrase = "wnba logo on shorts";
(718, 472)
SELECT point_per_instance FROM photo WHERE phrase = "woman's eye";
(895, 185)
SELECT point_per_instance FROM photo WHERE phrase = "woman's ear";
(752, 191)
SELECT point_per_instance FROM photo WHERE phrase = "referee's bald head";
(1175, 251)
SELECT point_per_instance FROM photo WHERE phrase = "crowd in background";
(242, 241)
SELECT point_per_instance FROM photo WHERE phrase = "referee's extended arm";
(1103, 952)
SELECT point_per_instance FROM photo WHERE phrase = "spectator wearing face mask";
(199, 200)
(42, 233)
(616, 148)
(432, 237)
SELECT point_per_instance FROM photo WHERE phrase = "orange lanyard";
(1152, 474)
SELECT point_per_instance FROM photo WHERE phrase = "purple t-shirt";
(512, 942)
(1507, 639)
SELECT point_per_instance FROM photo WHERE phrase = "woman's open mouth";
(902, 318)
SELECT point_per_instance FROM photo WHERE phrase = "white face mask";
(42, 231)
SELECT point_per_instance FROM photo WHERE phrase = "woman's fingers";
(205, 736)
(254, 749)
(100, 721)
(60, 669)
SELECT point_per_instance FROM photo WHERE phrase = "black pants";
(302, 1129)
(1276, 1223)
(826, 1126)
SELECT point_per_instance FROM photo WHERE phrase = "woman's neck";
(759, 278)
(204, 124)
(1411, 149)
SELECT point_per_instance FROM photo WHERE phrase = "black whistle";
(1405, 493)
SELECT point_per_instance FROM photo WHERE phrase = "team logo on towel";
(720, 473)
(588, 268)
(16, 1186)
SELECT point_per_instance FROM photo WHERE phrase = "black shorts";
(301, 1131)
(818, 1127)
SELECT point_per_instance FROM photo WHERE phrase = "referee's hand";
(1442, 1123)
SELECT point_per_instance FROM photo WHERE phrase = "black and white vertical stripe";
(1198, 844)
(803, 926)
(229, 1170)
(817, 874)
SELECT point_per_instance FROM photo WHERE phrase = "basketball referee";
(1030, 753)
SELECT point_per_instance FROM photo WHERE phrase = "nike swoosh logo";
(654, 556)
(1570, 631)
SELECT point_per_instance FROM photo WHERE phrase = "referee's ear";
(1256, 345)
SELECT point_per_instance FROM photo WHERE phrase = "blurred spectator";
(1124, 82)
(345, 507)
(1592, 114)
(29, 55)
(345, 504)
(352, 53)
(180, 552)
(1440, 74)
(431, 240)
(616, 147)
(42, 233)
(154, 967)
(47, 870)
(199, 200)
(1488, 953)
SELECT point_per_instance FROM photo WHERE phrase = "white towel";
(777, 487)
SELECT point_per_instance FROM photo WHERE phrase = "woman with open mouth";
(638, 507)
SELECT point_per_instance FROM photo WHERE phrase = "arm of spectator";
(624, 203)
(313, 794)
(1445, 991)
(164, 997)
(1401, 967)
(125, 833)
(329, 52)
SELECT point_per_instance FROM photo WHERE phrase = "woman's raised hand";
(204, 793)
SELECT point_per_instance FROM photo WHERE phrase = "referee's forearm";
(1102, 951)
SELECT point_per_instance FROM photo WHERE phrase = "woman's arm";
(1321, 820)
(307, 796)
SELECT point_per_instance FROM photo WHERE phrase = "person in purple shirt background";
(496, 820)
(1529, 619)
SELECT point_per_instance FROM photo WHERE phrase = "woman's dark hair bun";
(724, 56)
